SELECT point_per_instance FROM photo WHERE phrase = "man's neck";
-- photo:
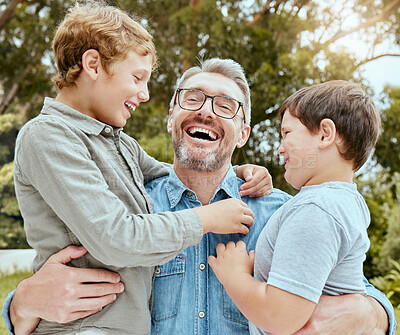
(203, 184)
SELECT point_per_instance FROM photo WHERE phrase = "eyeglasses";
(193, 100)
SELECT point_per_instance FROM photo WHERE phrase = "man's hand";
(258, 180)
(351, 314)
(226, 217)
(60, 293)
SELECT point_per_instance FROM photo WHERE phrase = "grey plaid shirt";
(80, 181)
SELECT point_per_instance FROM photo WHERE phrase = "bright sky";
(382, 71)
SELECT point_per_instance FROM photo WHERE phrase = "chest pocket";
(167, 289)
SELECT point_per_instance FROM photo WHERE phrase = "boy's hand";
(258, 180)
(231, 260)
(226, 217)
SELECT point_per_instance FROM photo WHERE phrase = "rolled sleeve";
(6, 313)
(384, 301)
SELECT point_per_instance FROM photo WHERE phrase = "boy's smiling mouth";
(131, 106)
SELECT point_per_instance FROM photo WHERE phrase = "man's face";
(203, 141)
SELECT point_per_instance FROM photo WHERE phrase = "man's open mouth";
(202, 134)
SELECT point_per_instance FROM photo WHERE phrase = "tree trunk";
(7, 14)
(10, 95)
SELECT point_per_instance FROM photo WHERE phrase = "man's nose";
(207, 110)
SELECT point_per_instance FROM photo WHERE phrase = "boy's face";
(117, 95)
(299, 148)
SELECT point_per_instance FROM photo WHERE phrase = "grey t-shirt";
(315, 244)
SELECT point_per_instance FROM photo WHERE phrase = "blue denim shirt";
(187, 296)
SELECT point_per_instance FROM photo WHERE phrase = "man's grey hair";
(226, 67)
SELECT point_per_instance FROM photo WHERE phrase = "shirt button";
(202, 266)
(202, 314)
(158, 271)
(107, 130)
(189, 194)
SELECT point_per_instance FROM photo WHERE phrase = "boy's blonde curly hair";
(95, 25)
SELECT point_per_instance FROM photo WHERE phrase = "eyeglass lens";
(193, 100)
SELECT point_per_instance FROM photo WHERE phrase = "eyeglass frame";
(177, 94)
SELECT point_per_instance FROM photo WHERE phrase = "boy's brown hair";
(94, 25)
(354, 113)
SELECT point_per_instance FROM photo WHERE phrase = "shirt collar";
(79, 120)
(176, 189)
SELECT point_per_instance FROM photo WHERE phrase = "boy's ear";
(327, 133)
(91, 63)
(169, 123)
(244, 136)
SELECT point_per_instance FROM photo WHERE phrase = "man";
(209, 117)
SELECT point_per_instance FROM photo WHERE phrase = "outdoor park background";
(283, 46)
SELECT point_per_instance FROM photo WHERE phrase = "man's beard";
(190, 157)
(198, 158)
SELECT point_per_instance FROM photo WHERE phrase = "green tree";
(377, 190)
(388, 147)
(12, 233)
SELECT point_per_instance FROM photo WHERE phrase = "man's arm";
(352, 314)
(60, 293)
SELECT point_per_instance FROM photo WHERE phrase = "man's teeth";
(210, 133)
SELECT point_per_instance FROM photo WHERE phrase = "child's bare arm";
(267, 307)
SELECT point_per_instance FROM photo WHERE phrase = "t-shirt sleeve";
(306, 250)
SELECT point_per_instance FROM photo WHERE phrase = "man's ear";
(169, 123)
(244, 136)
(91, 63)
(327, 133)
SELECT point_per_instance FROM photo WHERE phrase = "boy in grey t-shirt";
(316, 243)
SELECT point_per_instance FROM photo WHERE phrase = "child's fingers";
(247, 211)
(220, 248)
(248, 174)
(252, 255)
(241, 245)
(211, 261)
(256, 191)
